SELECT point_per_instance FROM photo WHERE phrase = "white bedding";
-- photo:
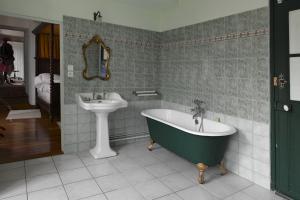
(45, 78)
(43, 88)
(42, 84)
(44, 95)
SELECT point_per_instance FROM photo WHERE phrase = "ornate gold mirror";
(96, 57)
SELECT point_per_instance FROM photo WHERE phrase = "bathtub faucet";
(199, 111)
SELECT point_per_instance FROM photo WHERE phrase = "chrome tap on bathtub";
(199, 111)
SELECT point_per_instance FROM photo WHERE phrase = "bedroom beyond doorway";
(29, 89)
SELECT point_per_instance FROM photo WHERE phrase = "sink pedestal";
(108, 103)
(102, 148)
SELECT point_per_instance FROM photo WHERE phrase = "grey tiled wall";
(134, 66)
(225, 62)
(134, 60)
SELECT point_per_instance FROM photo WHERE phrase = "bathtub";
(177, 132)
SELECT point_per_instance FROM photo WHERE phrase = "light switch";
(70, 68)
(70, 74)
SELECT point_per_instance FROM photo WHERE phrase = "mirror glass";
(96, 58)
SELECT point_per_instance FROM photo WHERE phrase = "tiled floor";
(135, 174)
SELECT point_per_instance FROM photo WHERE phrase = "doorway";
(285, 62)
(30, 93)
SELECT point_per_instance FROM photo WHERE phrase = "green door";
(285, 67)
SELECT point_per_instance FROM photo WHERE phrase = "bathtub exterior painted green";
(196, 149)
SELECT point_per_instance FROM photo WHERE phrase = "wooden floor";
(27, 138)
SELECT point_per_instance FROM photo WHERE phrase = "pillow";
(45, 78)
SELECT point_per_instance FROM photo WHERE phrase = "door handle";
(286, 108)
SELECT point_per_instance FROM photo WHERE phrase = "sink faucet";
(199, 111)
(104, 94)
(94, 94)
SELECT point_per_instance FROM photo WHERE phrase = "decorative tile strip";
(196, 41)
(230, 36)
(133, 43)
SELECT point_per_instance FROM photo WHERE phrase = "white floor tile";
(40, 169)
(65, 157)
(82, 189)
(97, 197)
(240, 196)
(38, 161)
(112, 182)
(164, 155)
(124, 194)
(124, 164)
(18, 197)
(257, 192)
(192, 175)
(196, 193)
(101, 170)
(74, 175)
(12, 165)
(176, 182)
(12, 188)
(136, 176)
(153, 189)
(89, 160)
(146, 160)
(12, 174)
(227, 185)
(43, 182)
(68, 164)
(180, 165)
(56, 193)
(170, 197)
(159, 170)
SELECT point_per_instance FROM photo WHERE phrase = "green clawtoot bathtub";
(177, 132)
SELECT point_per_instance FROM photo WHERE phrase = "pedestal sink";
(101, 104)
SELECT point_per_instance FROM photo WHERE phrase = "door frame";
(272, 91)
(60, 23)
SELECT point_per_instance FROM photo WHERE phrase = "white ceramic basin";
(107, 102)
(101, 105)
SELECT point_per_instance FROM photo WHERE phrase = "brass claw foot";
(222, 168)
(151, 145)
(202, 168)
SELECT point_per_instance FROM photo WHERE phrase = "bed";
(48, 94)
(47, 81)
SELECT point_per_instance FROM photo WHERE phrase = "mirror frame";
(95, 39)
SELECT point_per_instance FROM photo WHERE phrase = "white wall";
(30, 48)
(161, 16)
(113, 11)
(188, 12)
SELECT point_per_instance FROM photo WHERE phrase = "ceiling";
(151, 4)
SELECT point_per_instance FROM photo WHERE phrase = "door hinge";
(279, 81)
(275, 81)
